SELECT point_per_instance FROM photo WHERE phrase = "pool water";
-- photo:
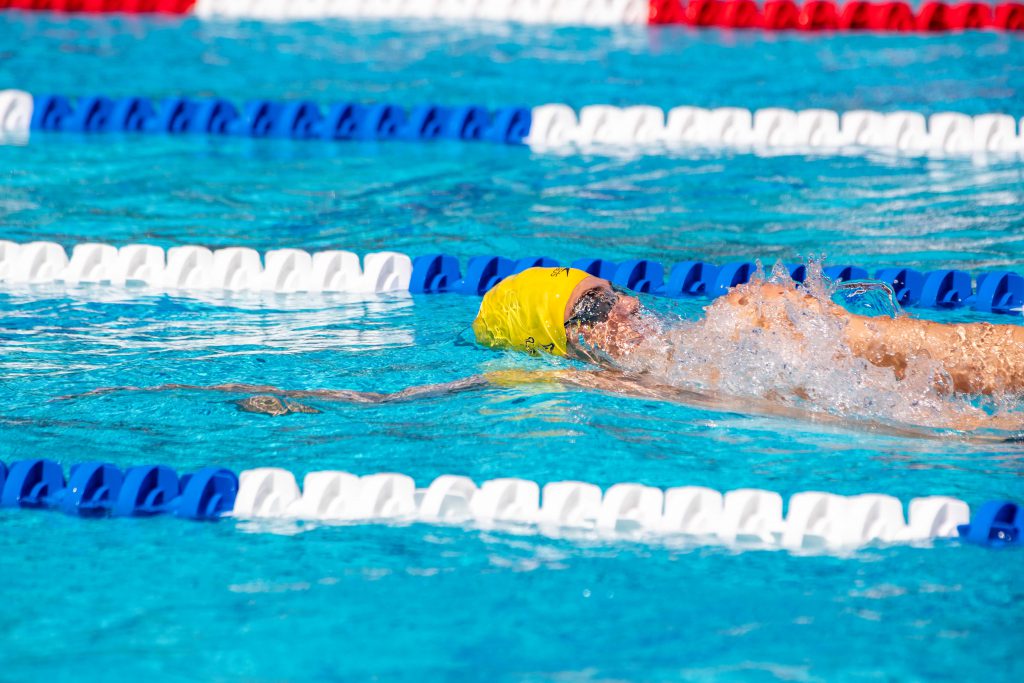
(170, 600)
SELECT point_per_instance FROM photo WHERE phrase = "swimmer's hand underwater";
(566, 312)
(272, 406)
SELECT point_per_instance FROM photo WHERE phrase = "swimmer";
(569, 313)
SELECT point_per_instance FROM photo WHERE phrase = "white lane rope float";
(651, 130)
(570, 12)
(232, 269)
(695, 515)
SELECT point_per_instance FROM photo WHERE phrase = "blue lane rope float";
(743, 517)
(997, 292)
(997, 523)
(293, 270)
(101, 489)
(301, 120)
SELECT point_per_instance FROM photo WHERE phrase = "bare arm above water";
(980, 358)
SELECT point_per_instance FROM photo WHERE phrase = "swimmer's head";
(527, 311)
(553, 310)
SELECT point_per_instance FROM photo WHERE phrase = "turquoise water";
(103, 599)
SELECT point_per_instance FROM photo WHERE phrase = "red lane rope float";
(826, 15)
(102, 6)
(777, 15)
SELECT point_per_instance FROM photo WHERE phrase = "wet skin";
(979, 358)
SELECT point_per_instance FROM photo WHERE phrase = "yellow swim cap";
(527, 310)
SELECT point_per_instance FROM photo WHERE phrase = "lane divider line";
(546, 128)
(770, 15)
(242, 269)
(742, 518)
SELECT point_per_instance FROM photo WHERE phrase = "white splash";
(792, 352)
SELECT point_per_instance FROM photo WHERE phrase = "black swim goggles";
(593, 307)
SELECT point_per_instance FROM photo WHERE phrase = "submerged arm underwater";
(276, 402)
(267, 399)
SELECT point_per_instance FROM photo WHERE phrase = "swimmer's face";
(598, 316)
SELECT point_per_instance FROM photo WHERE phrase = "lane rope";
(771, 15)
(193, 268)
(742, 518)
(553, 128)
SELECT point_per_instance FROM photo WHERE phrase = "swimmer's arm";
(979, 358)
(584, 379)
(338, 395)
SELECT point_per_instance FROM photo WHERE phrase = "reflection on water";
(50, 330)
